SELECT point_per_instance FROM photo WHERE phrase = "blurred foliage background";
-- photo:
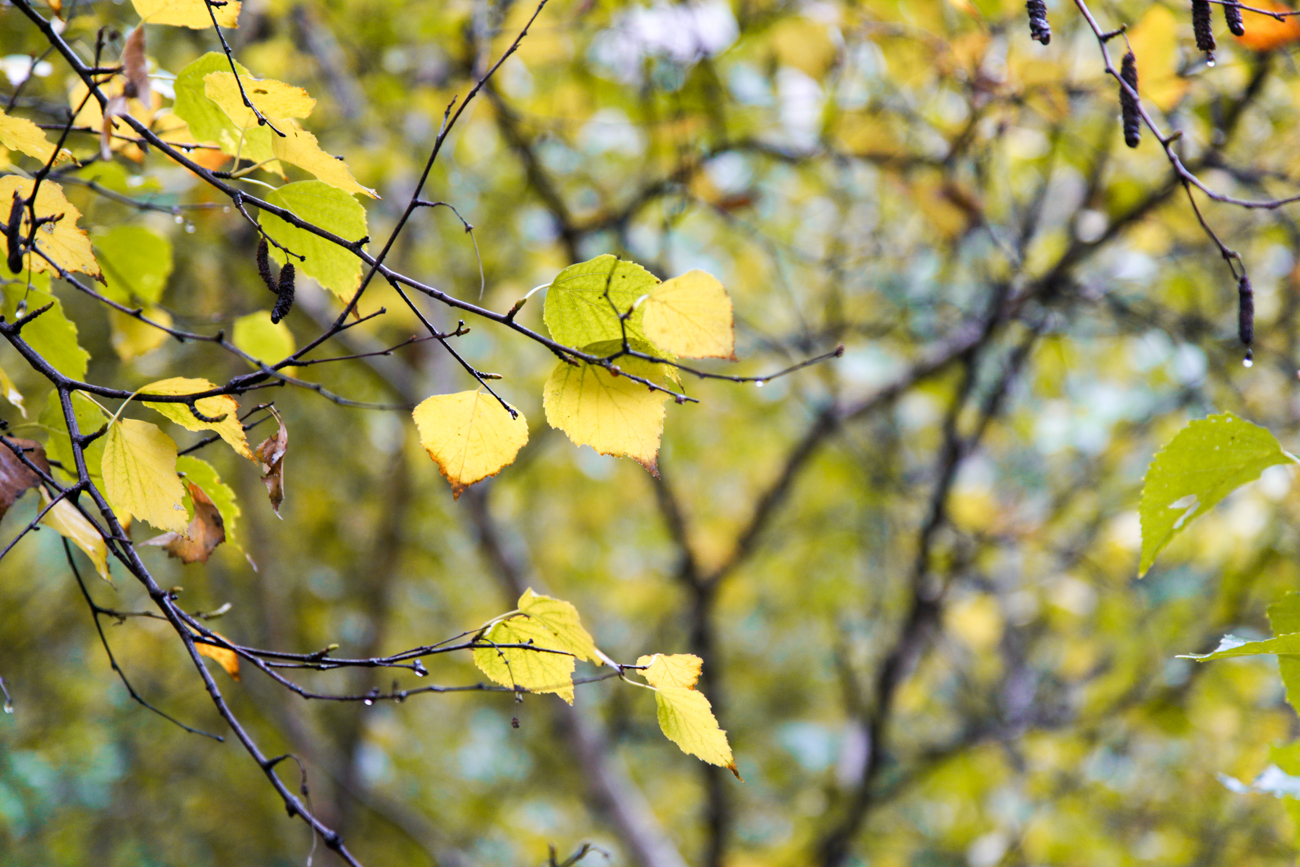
(911, 572)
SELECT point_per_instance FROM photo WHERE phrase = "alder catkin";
(1128, 103)
(1202, 28)
(285, 302)
(264, 265)
(1245, 311)
(1232, 15)
(1039, 29)
(13, 234)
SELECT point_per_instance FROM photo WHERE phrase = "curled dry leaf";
(135, 68)
(270, 456)
(206, 531)
(15, 476)
(114, 108)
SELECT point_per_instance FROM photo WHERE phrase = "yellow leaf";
(676, 669)
(274, 99)
(21, 134)
(65, 520)
(469, 435)
(299, 147)
(226, 658)
(229, 428)
(263, 339)
(133, 338)
(140, 475)
(187, 13)
(546, 624)
(1154, 42)
(61, 240)
(686, 718)
(612, 414)
(1265, 33)
(691, 316)
(12, 394)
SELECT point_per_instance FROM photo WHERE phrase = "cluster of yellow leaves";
(534, 648)
(592, 306)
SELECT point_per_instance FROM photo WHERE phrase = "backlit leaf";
(187, 13)
(51, 334)
(1155, 43)
(327, 208)
(65, 520)
(612, 414)
(61, 240)
(223, 656)
(1265, 33)
(206, 120)
(200, 472)
(274, 99)
(11, 393)
(263, 339)
(299, 147)
(1284, 619)
(691, 316)
(136, 262)
(578, 311)
(229, 428)
(1206, 461)
(675, 669)
(132, 337)
(544, 623)
(686, 718)
(469, 435)
(140, 475)
(20, 134)
(90, 418)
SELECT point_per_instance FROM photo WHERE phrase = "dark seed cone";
(264, 265)
(1128, 103)
(1201, 26)
(1245, 311)
(13, 235)
(1039, 29)
(285, 302)
(1232, 15)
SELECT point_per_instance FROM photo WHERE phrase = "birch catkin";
(1039, 29)
(1128, 103)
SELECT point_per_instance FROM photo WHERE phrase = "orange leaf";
(1264, 33)
(224, 657)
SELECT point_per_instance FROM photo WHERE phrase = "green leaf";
(208, 123)
(263, 339)
(1206, 461)
(1231, 647)
(328, 208)
(51, 334)
(201, 473)
(1284, 619)
(135, 262)
(90, 418)
(578, 312)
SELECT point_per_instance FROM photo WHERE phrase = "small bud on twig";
(1128, 103)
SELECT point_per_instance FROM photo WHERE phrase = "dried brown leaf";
(114, 108)
(270, 456)
(15, 476)
(206, 531)
(135, 68)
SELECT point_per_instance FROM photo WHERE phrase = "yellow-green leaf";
(299, 147)
(52, 334)
(133, 338)
(612, 414)
(201, 473)
(686, 718)
(90, 418)
(20, 134)
(328, 208)
(229, 428)
(187, 13)
(675, 669)
(206, 120)
(691, 316)
(65, 520)
(140, 475)
(136, 263)
(267, 341)
(274, 99)
(469, 435)
(11, 393)
(584, 301)
(62, 241)
(561, 619)
(546, 624)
